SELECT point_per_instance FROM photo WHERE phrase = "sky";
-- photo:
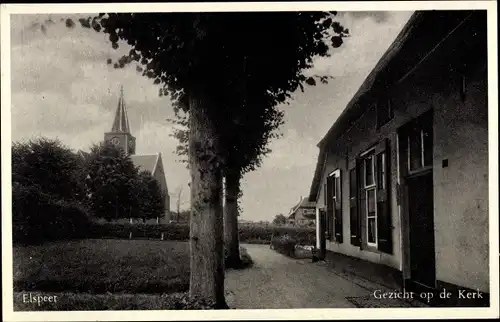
(63, 88)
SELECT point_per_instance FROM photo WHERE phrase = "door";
(416, 158)
(421, 219)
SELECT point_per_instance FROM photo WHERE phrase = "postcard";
(273, 160)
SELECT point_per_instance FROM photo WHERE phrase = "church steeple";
(120, 132)
(120, 123)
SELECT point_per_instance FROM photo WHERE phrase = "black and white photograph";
(189, 161)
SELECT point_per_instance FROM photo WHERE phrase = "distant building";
(303, 213)
(121, 136)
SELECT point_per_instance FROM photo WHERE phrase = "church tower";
(120, 132)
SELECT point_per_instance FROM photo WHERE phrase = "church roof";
(146, 162)
(120, 124)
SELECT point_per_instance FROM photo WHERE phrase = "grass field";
(105, 274)
(99, 266)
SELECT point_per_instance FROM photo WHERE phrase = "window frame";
(337, 206)
(370, 153)
(381, 171)
(368, 216)
(423, 166)
(336, 175)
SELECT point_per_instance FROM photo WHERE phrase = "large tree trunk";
(231, 240)
(206, 224)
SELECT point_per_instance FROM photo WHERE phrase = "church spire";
(120, 123)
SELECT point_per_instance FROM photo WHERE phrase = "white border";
(248, 6)
(9, 315)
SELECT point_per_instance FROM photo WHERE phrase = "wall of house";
(460, 190)
(461, 228)
(359, 138)
(301, 219)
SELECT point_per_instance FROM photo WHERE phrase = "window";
(427, 147)
(369, 171)
(334, 188)
(420, 149)
(334, 206)
(370, 195)
(371, 216)
(337, 188)
(381, 170)
(369, 199)
(385, 112)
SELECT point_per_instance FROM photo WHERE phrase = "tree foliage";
(117, 189)
(49, 166)
(190, 52)
(112, 182)
(151, 197)
(47, 192)
(279, 219)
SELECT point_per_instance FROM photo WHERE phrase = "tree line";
(56, 187)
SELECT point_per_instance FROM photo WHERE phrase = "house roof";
(303, 203)
(146, 162)
(424, 32)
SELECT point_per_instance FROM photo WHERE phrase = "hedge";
(39, 217)
(256, 234)
(139, 230)
(284, 245)
(248, 233)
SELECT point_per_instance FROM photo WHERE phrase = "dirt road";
(279, 282)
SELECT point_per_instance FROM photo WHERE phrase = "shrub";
(264, 234)
(65, 220)
(284, 245)
(39, 217)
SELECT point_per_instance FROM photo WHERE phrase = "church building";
(121, 136)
